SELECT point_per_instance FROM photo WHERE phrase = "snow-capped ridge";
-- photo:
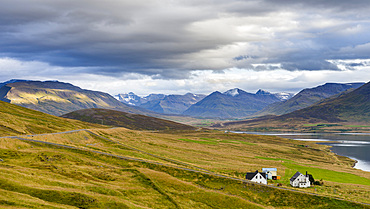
(284, 95)
(263, 92)
(232, 92)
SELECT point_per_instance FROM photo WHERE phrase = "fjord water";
(353, 145)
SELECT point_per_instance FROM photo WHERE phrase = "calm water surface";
(352, 145)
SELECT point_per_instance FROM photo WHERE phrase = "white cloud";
(172, 37)
(179, 46)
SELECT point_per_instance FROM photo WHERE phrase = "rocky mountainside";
(234, 103)
(307, 97)
(58, 98)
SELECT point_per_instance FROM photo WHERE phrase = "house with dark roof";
(257, 177)
(300, 180)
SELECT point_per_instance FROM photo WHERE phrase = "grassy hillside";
(16, 120)
(36, 175)
(127, 120)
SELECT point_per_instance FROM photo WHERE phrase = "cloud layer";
(177, 39)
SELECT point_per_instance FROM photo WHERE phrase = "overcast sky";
(179, 46)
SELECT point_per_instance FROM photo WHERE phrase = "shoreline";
(357, 164)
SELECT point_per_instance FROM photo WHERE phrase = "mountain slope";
(307, 97)
(234, 103)
(127, 120)
(352, 106)
(58, 98)
(16, 120)
(173, 104)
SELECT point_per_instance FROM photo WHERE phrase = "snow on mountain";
(262, 92)
(284, 96)
(232, 92)
(129, 98)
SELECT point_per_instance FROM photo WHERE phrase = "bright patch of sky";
(199, 82)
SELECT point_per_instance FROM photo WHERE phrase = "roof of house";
(250, 176)
(295, 176)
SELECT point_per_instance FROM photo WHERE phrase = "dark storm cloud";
(169, 39)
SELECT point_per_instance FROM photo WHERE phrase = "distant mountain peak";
(262, 92)
(129, 98)
(283, 96)
(232, 92)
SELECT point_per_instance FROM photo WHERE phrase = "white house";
(300, 180)
(270, 172)
(257, 177)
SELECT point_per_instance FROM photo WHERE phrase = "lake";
(353, 145)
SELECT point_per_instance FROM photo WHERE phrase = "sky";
(180, 46)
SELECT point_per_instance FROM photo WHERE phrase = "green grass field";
(329, 175)
(37, 175)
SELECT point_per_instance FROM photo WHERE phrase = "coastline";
(354, 164)
(333, 144)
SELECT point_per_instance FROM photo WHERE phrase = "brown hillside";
(127, 120)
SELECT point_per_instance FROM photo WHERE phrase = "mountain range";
(234, 103)
(349, 106)
(211, 106)
(58, 98)
(307, 97)
(160, 103)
